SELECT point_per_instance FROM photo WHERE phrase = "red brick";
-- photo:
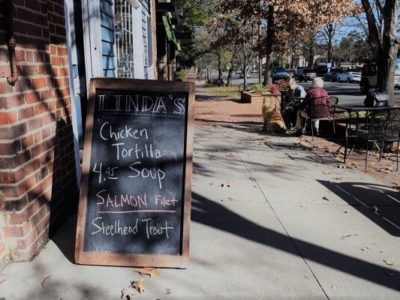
(13, 191)
(38, 83)
(53, 49)
(23, 84)
(46, 95)
(14, 205)
(32, 97)
(9, 148)
(4, 71)
(33, 4)
(4, 55)
(13, 132)
(47, 158)
(35, 123)
(26, 113)
(38, 150)
(27, 141)
(29, 70)
(11, 101)
(27, 29)
(13, 231)
(35, 17)
(20, 55)
(39, 216)
(37, 138)
(5, 87)
(29, 56)
(61, 51)
(32, 166)
(11, 177)
(41, 108)
(8, 117)
(55, 61)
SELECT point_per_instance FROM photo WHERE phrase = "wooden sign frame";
(133, 259)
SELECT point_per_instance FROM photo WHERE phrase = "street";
(348, 93)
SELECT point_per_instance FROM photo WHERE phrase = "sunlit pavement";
(270, 220)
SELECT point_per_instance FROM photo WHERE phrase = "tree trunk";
(245, 77)
(311, 53)
(268, 47)
(330, 35)
(229, 79)
(219, 68)
(386, 63)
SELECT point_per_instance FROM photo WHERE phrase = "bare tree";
(382, 35)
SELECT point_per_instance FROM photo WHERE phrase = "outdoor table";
(355, 110)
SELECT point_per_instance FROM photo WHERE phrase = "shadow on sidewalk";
(379, 203)
(209, 213)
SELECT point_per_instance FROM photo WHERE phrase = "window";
(124, 38)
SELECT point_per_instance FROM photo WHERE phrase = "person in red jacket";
(318, 106)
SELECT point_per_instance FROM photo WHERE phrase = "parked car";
(242, 75)
(349, 76)
(329, 76)
(369, 77)
(291, 72)
(218, 82)
(279, 73)
(304, 74)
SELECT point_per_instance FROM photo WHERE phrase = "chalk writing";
(136, 174)
(136, 104)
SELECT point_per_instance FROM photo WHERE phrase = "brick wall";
(37, 173)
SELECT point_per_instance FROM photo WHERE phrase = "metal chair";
(381, 127)
(331, 117)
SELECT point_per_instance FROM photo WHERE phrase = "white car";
(349, 76)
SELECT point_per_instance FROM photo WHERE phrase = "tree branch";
(379, 5)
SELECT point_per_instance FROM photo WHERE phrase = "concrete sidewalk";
(270, 220)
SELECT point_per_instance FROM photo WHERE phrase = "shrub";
(181, 75)
(258, 89)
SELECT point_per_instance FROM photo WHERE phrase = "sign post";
(134, 207)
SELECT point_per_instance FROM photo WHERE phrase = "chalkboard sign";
(134, 207)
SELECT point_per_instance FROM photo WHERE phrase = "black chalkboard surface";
(135, 193)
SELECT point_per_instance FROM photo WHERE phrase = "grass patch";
(224, 91)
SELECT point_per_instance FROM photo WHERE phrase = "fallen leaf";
(44, 281)
(349, 236)
(325, 198)
(376, 210)
(346, 211)
(128, 293)
(152, 272)
(252, 178)
(138, 285)
(388, 262)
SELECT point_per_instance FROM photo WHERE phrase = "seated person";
(290, 108)
(296, 90)
(271, 110)
(319, 103)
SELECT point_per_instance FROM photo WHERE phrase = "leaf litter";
(136, 287)
(152, 272)
(388, 262)
(349, 236)
(43, 283)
